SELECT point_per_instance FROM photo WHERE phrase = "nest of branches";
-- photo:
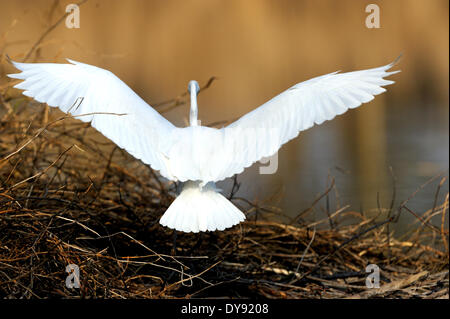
(68, 196)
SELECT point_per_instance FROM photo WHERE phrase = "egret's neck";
(193, 114)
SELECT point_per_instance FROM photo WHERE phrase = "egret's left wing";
(264, 130)
(98, 96)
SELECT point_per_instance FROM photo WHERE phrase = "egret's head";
(193, 87)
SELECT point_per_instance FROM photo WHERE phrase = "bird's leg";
(174, 246)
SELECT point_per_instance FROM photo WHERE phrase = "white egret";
(196, 155)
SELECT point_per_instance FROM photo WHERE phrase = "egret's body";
(197, 155)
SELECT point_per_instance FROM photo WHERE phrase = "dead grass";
(68, 196)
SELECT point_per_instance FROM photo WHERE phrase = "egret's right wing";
(261, 132)
(111, 106)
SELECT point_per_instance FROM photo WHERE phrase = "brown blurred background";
(257, 49)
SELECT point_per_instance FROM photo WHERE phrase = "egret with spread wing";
(196, 155)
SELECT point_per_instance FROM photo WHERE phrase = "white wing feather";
(140, 131)
(299, 108)
(221, 153)
(197, 153)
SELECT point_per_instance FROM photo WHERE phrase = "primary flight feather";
(197, 155)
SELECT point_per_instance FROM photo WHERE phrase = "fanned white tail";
(201, 209)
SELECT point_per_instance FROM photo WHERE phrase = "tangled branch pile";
(69, 196)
